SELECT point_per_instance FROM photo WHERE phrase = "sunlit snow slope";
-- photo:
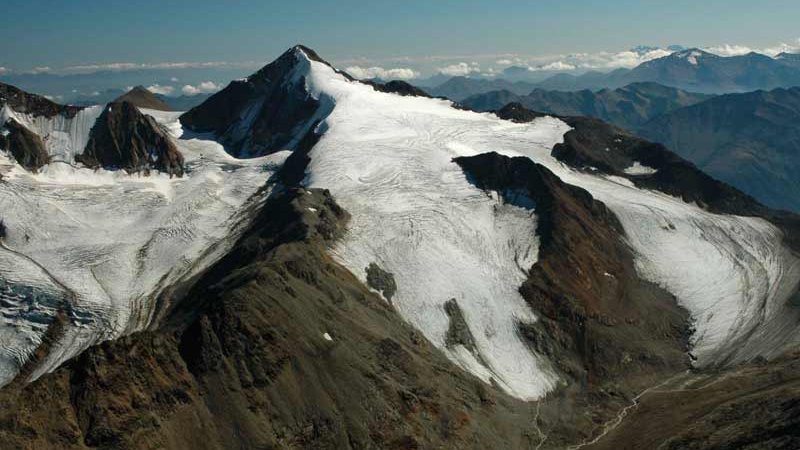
(102, 245)
(387, 160)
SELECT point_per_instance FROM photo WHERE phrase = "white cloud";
(159, 89)
(3, 70)
(206, 87)
(40, 69)
(503, 62)
(398, 73)
(459, 69)
(729, 50)
(174, 79)
(554, 66)
(734, 49)
(54, 98)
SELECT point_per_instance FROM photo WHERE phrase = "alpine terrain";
(305, 260)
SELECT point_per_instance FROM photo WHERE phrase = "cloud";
(206, 87)
(54, 98)
(735, 50)
(460, 69)
(127, 66)
(174, 79)
(40, 69)
(503, 62)
(159, 89)
(398, 73)
(3, 70)
(553, 66)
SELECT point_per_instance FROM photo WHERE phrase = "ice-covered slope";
(102, 245)
(387, 160)
(63, 136)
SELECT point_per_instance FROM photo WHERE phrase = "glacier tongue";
(387, 160)
(110, 242)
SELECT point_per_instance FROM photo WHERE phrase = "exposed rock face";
(515, 112)
(381, 280)
(26, 146)
(140, 97)
(23, 102)
(262, 113)
(397, 87)
(458, 332)
(124, 138)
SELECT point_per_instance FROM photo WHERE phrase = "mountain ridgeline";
(628, 107)
(751, 141)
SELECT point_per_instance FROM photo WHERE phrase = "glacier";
(108, 242)
(388, 160)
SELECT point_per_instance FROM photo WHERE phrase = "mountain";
(459, 88)
(257, 116)
(751, 141)
(693, 70)
(123, 137)
(628, 107)
(345, 265)
(96, 98)
(140, 97)
(592, 80)
(790, 59)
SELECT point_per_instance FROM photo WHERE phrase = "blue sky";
(59, 33)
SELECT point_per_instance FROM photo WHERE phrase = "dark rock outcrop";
(397, 87)
(124, 138)
(262, 113)
(25, 146)
(140, 97)
(381, 281)
(26, 103)
(515, 112)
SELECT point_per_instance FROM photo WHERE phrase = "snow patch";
(638, 169)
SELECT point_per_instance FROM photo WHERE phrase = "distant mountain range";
(628, 107)
(459, 88)
(691, 70)
(750, 140)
